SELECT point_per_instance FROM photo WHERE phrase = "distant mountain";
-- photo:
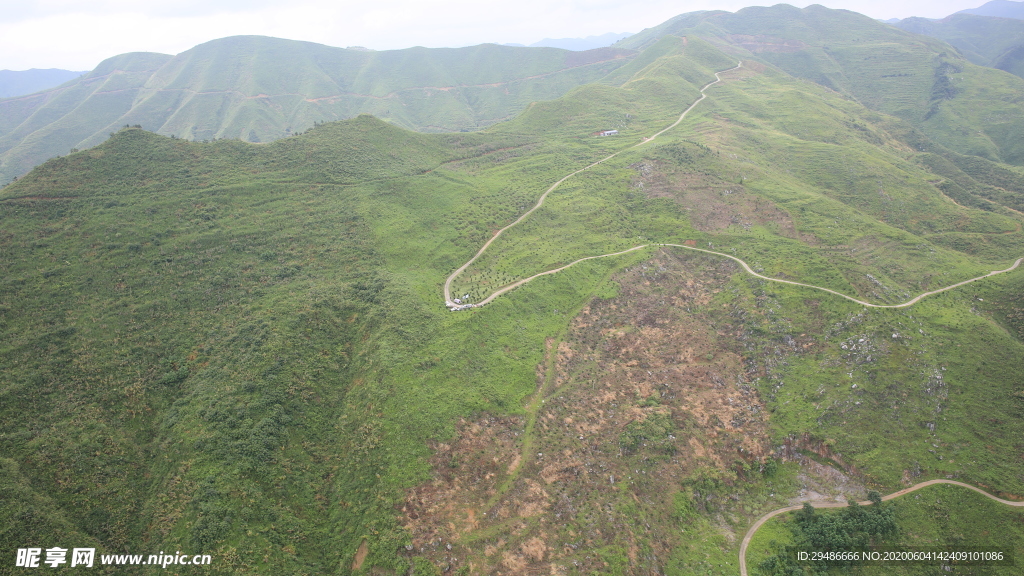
(998, 8)
(993, 42)
(578, 44)
(260, 89)
(918, 79)
(21, 82)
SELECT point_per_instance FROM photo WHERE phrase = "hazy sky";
(78, 34)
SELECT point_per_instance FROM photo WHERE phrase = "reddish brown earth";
(649, 393)
(713, 204)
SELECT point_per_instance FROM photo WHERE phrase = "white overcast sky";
(78, 34)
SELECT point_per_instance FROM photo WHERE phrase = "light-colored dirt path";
(540, 201)
(749, 270)
(827, 504)
(910, 302)
(519, 283)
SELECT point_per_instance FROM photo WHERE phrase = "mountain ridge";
(888, 69)
(259, 89)
(998, 9)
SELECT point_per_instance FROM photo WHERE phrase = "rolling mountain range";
(259, 89)
(716, 232)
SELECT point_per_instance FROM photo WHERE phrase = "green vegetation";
(853, 528)
(242, 350)
(915, 78)
(259, 89)
(993, 42)
(941, 516)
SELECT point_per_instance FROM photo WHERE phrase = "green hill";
(39, 126)
(993, 42)
(915, 78)
(258, 89)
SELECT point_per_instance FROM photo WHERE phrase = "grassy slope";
(860, 196)
(825, 160)
(874, 211)
(40, 126)
(259, 89)
(243, 349)
(993, 42)
(196, 356)
(912, 77)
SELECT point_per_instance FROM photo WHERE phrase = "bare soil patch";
(361, 554)
(467, 472)
(650, 389)
(713, 204)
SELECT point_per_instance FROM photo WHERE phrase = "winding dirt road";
(540, 201)
(910, 302)
(827, 504)
(452, 305)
